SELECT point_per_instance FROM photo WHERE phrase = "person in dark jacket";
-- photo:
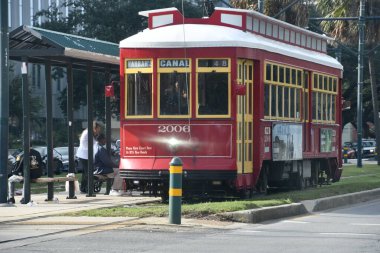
(104, 165)
(17, 175)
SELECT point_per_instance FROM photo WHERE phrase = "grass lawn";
(353, 180)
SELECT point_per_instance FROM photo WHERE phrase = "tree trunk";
(376, 115)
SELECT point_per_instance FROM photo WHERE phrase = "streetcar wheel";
(300, 182)
(262, 183)
(246, 193)
(164, 193)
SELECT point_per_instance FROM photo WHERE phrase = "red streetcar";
(246, 101)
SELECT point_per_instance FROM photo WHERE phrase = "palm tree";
(297, 14)
(347, 31)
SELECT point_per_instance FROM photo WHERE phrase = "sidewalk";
(41, 208)
(21, 225)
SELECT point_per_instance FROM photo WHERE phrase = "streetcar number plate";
(174, 128)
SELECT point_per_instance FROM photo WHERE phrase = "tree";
(16, 111)
(111, 20)
(297, 14)
(347, 31)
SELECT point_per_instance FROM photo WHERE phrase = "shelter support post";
(90, 169)
(4, 100)
(108, 113)
(70, 122)
(49, 130)
(26, 129)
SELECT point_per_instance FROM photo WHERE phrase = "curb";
(341, 200)
(265, 213)
(307, 206)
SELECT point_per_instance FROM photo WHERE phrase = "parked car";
(349, 148)
(64, 151)
(368, 148)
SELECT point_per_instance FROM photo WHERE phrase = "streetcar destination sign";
(137, 64)
(213, 63)
(173, 63)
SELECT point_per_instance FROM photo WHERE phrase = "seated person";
(103, 165)
(17, 174)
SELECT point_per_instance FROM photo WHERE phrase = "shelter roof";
(41, 45)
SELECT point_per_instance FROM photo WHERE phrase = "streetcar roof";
(203, 35)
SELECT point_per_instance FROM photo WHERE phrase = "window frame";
(213, 70)
(168, 70)
(129, 71)
(328, 96)
(287, 84)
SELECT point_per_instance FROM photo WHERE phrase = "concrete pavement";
(47, 220)
(308, 206)
(22, 225)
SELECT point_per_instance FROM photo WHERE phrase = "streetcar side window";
(174, 93)
(213, 87)
(212, 93)
(282, 92)
(324, 96)
(139, 94)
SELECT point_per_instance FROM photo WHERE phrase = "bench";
(69, 177)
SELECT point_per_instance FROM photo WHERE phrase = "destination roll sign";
(138, 64)
(213, 63)
(174, 63)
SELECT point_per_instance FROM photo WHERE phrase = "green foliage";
(111, 20)
(353, 180)
(16, 111)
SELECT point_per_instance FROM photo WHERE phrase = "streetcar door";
(244, 118)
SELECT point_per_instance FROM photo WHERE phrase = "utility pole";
(360, 83)
(261, 6)
(4, 94)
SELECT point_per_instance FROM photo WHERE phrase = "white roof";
(195, 35)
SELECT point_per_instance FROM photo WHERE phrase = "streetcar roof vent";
(246, 20)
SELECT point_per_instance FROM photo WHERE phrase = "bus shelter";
(49, 48)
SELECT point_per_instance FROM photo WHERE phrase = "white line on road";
(294, 221)
(365, 224)
(349, 234)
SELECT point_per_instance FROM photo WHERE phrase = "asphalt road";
(348, 230)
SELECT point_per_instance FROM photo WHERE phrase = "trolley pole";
(4, 99)
(175, 191)
(360, 82)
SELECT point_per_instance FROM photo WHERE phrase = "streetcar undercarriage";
(274, 175)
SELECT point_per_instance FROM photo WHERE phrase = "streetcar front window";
(139, 94)
(174, 93)
(212, 93)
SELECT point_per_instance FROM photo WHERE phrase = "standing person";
(104, 165)
(82, 153)
(18, 172)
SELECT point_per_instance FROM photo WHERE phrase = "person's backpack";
(35, 165)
